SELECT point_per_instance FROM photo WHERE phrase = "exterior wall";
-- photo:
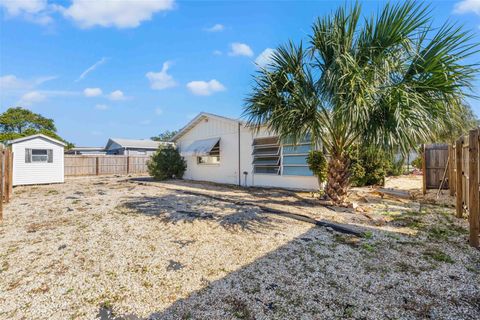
(227, 170)
(139, 152)
(37, 173)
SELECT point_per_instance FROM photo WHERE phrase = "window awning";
(200, 147)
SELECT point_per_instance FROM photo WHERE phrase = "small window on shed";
(39, 155)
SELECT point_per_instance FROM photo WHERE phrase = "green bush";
(368, 166)
(167, 163)
(317, 162)
(418, 163)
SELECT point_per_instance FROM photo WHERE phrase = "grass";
(438, 255)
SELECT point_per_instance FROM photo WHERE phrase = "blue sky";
(133, 69)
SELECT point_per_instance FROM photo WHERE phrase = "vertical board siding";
(85, 165)
(436, 160)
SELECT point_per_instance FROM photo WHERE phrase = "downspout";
(239, 171)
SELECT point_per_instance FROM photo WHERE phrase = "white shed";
(37, 159)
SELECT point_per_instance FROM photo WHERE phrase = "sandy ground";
(117, 248)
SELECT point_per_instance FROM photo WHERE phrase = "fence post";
(97, 169)
(424, 170)
(10, 173)
(451, 170)
(458, 178)
(1, 184)
(473, 191)
(7, 179)
(128, 164)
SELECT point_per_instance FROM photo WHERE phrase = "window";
(266, 155)
(213, 156)
(295, 158)
(39, 155)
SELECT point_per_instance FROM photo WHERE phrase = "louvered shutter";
(28, 155)
(50, 155)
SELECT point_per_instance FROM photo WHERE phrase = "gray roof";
(39, 135)
(139, 144)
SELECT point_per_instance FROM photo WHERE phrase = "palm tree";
(389, 81)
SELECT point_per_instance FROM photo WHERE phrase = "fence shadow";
(318, 276)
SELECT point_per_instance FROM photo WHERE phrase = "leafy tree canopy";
(165, 136)
(19, 122)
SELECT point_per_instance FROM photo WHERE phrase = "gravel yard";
(121, 248)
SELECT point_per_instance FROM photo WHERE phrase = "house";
(37, 159)
(87, 151)
(129, 147)
(226, 150)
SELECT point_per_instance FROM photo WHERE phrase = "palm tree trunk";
(338, 178)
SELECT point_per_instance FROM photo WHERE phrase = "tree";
(167, 163)
(18, 122)
(317, 163)
(165, 136)
(390, 81)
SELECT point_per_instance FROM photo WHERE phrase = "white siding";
(227, 170)
(34, 172)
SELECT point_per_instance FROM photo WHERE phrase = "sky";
(133, 69)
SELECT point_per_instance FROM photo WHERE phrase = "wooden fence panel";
(78, 165)
(436, 157)
(6, 178)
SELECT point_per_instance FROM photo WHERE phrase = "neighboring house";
(87, 151)
(129, 147)
(37, 159)
(225, 150)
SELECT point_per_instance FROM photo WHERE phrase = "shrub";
(317, 162)
(418, 163)
(167, 163)
(367, 166)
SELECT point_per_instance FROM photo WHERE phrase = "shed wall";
(34, 172)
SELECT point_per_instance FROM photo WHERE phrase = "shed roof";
(132, 143)
(197, 119)
(39, 135)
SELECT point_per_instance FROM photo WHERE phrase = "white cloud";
(205, 88)
(265, 57)
(120, 14)
(37, 11)
(161, 80)
(91, 68)
(32, 97)
(217, 52)
(117, 95)
(36, 96)
(467, 6)
(240, 49)
(101, 107)
(145, 122)
(216, 28)
(158, 111)
(12, 82)
(92, 92)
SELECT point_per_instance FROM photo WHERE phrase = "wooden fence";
(435, 162)
(103, 165)
(466, 181)
(6, 175)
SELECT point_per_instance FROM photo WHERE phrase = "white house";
(37, 159)
(128, 147)
(87, 151)
(225, 150)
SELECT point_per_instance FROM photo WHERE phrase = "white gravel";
(152, 251)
